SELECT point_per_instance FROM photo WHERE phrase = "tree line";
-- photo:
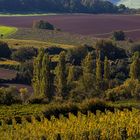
(61, 82)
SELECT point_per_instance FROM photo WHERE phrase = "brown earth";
(10, 74)
(95, 25)
(7, 74)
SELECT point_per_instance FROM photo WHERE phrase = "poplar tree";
(88, 73)
(106, 69)
(46, 81)
(135, 66)
(71, 75)
(37, 67)
(88, 64)
(106, 73)
(35, 80)
(98, 70)
(61, 79)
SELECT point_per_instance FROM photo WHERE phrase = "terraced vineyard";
(102, 126)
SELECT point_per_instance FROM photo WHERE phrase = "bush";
(110, 50)
(54, 50)
(5, 51)
(120, 69)
(23, 54)
(118, 36)
(75, 55)
(24, 95)
(42, 25)
(134, 48)
(25, 73)
(130, 89)
(9, 96)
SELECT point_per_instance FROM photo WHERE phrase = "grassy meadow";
(6, 30)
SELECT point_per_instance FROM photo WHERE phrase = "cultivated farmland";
(94, 25)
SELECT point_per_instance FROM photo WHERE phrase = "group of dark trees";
(5, 52)
(60, 82)
(92, 78)
(41, 24)
(60, 6)
(104, 71)
(118, 36)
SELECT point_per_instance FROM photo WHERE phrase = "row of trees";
(62, 81)
(58, 83)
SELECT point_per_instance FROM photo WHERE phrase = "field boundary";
(126, 31)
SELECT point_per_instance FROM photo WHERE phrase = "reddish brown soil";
(7, 74)
(10, 74)
(95, 25)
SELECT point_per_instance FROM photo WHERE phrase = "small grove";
(63, 82)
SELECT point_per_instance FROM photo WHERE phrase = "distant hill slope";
(128, 3)
(57, 6)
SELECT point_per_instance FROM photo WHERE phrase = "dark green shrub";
(54, 50)
(42, 25)
(9, 96)
(134, 48)
(5, 51)
(118, 36)
(23, 54)
(75, 55)
(25, 73)
(129, 89)
(110, 50)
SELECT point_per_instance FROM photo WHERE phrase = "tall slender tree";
(134, 69)
(61, 78)
(88, 73)
(88, 63)
(37, 73)
(46, 81)
(106, 73)
(98, 70)
(71, 75)
(106, 69)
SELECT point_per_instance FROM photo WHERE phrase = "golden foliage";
(114, 126)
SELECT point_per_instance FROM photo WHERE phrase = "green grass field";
(6, 30)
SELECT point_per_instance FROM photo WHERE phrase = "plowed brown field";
(85, 24)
